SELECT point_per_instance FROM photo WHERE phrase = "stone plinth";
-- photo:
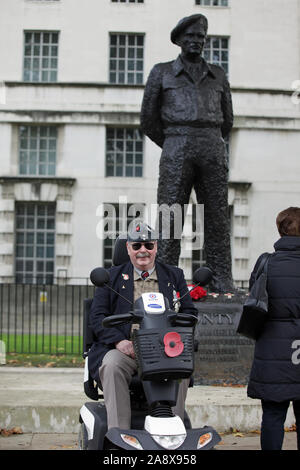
(223, 355)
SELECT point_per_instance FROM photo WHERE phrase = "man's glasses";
(137, 245)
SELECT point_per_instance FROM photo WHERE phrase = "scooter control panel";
(154, 303)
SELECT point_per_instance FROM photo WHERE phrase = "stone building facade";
(72, 77)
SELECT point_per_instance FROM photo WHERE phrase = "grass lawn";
(42, 344)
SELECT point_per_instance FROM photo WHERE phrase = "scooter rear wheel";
(82, 437)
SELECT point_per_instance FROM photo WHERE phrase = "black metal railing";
(43, 318)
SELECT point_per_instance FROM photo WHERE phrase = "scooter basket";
(152, 358)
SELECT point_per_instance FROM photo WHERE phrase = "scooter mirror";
(202, 276)
(99, 277)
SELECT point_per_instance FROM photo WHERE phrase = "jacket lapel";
(125, 288)
(165, 283)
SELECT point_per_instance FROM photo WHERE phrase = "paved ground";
(44, 404)
(43, 441)
(48, 400)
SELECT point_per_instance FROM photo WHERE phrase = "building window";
(40, 56)
(124, 152)
(35, 242)
(241, 263)
(213, 3)
(241, 242)
(241, 220)
(216, 51)
(198, 256)
(198, 259)
(119, 219)
(37, 150)
(126, 63)
(127, 1)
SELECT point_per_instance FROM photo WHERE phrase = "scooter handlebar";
(176, 319)
(122, 318)
(116, 320)
(185, 319)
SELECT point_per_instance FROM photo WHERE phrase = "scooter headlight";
(170, 442)
(132, 441)
(204, 439)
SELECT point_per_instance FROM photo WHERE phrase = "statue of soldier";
(187, 110)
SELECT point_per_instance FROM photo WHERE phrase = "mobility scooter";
(164, 349)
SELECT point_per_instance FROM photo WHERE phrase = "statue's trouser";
(197, 161)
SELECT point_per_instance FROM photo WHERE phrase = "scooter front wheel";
(108, 445)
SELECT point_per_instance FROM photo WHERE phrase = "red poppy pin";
(173, 344)
(197, 292)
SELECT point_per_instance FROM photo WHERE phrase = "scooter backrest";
(88, 335)
(120, 255)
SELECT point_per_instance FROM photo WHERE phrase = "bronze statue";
(187, 110)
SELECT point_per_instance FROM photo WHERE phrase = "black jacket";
(275, 374)
(106, 302)
(172, 98)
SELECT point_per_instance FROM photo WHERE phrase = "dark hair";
(288, 222)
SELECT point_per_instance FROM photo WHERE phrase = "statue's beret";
(185, 22)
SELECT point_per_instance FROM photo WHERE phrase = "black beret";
(185, 22)
(141, 232)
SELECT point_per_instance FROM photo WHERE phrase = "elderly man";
(111, 358)
(187, 110)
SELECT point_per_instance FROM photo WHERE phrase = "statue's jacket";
(173, 102)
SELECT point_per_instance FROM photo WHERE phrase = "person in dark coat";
(275, 372)
(111, 358)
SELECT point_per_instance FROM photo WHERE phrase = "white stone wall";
(264, 35)
(264, 149)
